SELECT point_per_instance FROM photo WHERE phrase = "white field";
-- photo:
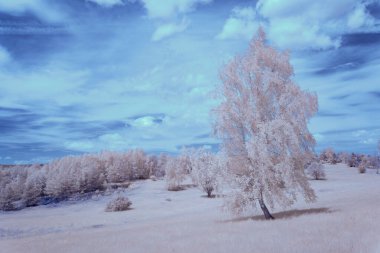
(346, 218)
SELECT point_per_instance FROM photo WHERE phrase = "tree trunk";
(265, 210)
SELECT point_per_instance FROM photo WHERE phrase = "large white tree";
(262, 122)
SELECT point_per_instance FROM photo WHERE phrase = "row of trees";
(360, 161)
(28, 186)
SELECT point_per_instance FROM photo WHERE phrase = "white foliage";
(329, 156)
(262, 122)
(206, 171)
(175, 173)
(34, 186)
(316, 170)
(118, 204)
(12, 185)
(71, 175)
(63, 177)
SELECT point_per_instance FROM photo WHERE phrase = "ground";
(345, 218)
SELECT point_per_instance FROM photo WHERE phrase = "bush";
(174, 174)
(118, 204)
(328, 156)
(354, 160)
(205, 171)
(316, 171)
(34, 187)
(362, 168)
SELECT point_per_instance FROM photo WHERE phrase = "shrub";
(118, 204)
(354, 160)
(63, 177)
(205, 169)
(174, 174)
(328, 156)
(344, 157)
(316, 171)
(362, 168)
(34, 187)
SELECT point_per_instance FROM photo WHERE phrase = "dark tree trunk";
(265, 210)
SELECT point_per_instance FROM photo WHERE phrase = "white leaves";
(262, 122)
(206, 171)
(175, 173)
(316, 171)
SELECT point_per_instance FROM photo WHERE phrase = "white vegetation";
(328, 155)
(362, 168)
(206, 171)
(316, 170)
(34, 186)
(175, 173)
(118, 204)
(22, 186)
(344, 157)
(262, 122)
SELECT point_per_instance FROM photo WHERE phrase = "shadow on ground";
(285, 214)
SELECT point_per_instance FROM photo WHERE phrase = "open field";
(346, 218)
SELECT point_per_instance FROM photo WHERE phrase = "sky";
(81, 76)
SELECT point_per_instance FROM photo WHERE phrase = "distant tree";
(92, 173)
(175, 173)
(262, 122)
(161, 164)
(344, 157)
(139, 164)
(63, 177)
(328, 156)
(119, 167)
(151, 164)
(206, 171)
(354, 160)
(34, 186)
(316, 170)
(11, 193)
(362, 167)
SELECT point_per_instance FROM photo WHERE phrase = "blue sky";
(88, 75)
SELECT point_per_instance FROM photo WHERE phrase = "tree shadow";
(285, 214)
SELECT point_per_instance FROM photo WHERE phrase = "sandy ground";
(346, 218)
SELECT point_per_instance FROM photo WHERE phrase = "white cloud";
(107, 3)
(241, 23)
(359, 17)
(146, 121)
(42, 8)
(4, 56)
(301, 24)
(169, 29)
(169, 8)
(292, 33)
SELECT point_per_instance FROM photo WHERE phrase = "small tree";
(344, 157)
(362, 168)
(329, 156)
(262, 122)
(205, 171)
(354, 160)
(174, 173)
(316, 171)
(34, 187)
